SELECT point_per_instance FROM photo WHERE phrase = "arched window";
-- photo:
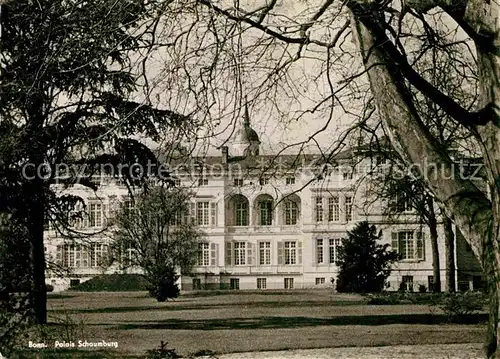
(264, 205)
(238, 211)
(290, 210)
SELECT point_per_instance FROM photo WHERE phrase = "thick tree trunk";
(484, 15)
(35, 196)
(436, 268)
(35, 217)
(38, 255)
(449, 238)
(470, 208)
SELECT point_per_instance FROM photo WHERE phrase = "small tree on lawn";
(364, 264)
(155, 233)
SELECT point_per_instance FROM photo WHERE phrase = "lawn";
(250, 321)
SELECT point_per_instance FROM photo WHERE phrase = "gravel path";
(436, 351)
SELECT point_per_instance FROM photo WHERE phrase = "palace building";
(271, 222)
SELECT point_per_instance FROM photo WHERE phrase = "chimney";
(225, 155)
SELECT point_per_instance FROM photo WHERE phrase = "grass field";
(249, 321)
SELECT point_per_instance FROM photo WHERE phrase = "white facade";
(269, 223)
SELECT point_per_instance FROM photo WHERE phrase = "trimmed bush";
(113, 283)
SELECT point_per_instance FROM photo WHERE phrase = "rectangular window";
(238, 182)
(348, 208)
(129, 205)
(291, 213)
(203, 254)
(408, 282)
(66, 251)
(213, 213)
(288, 283)
(203, 181)
(239, 253)
(177, 218)
(333, 209)
(319, 209)
(261, 283)
(96, 180)
(290, 253)
(81, 256)
(290, 180)
(334, 247)
(264, 253)
(234, 283)
(320, 281)
(263, 181)
(403, 204)
(97, 251)
(347, 175)
(95, 215)
(203, 213)
(319, 251)
(409, 244)
(127, 256)
(196, 283)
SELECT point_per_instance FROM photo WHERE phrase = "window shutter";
(214, 250)
(395, 241)
(105, 214)
(257, 253)
(281, 253)
(315, 251)
(341, 208)
(59, 255)
(230, 209)
(229, 253)
(250, 254)
(114, 207)
(299, 252)
(192, 212)
(214, 214)
(420, 246)
(85, 218)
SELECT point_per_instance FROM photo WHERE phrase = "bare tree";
(282, 56)
(70, 100)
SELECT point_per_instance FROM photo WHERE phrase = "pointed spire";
(246, 116)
